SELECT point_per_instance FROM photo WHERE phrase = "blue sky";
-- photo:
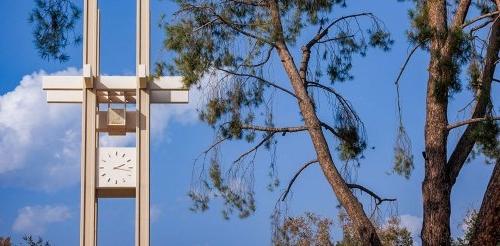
(39, 143)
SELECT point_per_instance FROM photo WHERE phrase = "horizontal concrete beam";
(157, 96)
(111, 83)
(64, 96)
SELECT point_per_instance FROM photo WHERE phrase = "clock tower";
(114, 105)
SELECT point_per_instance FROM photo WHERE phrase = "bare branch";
(307, 164)
(377, 198)
(260, 79)
(215, 145)
(479, 18)
(331, 130)
(406, 62)
(321, 34)
(470, 121)
(266, 59)
(230, 24)
(274, 129)
(204, 25)
(324, 87)
(478, 27)
(249, 2)
(255, 147)
(306, 49)
(335, 39)
(238, 29)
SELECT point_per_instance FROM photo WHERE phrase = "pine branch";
(479, 18)
(306, 49)
(255, 148)
(377, 198)
(274, 129)
(289, 187)
(466, 142)
(470, 121)
(321, 34)
(258, 78)
(406, 62)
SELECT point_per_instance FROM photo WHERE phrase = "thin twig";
(255, 147)
(307, 164)
(406, 61)
(260, 79)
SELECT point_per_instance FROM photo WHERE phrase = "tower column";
(88, 220)
(142, 130)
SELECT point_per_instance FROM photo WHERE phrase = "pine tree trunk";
(487, 226)
(435, 188)
(353, 207)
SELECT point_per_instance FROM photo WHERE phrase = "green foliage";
(420, 33)
(228, 48)
(31, 241)
(403, 157)
(487, 139)
(469, 225)
(484, 6)
(237, 198)
(351, 146)
(53, 30)
(392, 233)
(309, 229)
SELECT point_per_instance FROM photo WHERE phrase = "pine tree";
(229, 48)
(455, 43)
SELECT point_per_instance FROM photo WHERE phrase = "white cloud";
(40, 142)
(34, 220)
(412, 223)
(155, 213)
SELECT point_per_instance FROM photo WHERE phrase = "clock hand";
(122, 169)
(119, 166)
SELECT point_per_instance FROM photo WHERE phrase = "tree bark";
(440, 174)
(435, 188)
(487, 227)
(354, 208)
(483, 95)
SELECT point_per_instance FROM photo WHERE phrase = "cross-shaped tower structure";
(118, 171)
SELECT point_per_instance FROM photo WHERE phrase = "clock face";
(116, 167)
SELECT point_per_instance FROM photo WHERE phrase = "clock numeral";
(109, 180)
(101, 167)
(128, 160)
(116, 153)
(103, 161)
(103, 174)
(123, 155)
(123, 180)
(116, 181)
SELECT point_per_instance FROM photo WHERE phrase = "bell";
(117, 121)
